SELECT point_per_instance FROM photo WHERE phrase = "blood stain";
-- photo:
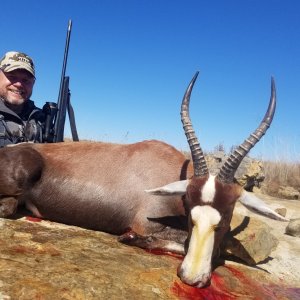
(33, 219)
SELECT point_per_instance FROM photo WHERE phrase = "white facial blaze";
(209, 190)
(196, 266)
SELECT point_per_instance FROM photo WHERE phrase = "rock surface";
(288, 192)
(249, 174)
(293, 227)
(46, 260)
(249, 240)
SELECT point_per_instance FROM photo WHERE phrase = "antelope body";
(148, 192)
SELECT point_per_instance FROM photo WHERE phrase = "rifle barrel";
(64, 95)
(63, 72)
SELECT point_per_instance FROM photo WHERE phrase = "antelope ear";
(256, 205)
(174, 188)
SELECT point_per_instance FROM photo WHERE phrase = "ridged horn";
(200, 167)
(230, 166)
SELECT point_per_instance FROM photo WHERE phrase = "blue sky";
(131, 61)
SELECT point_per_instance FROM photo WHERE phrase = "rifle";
(56, 112)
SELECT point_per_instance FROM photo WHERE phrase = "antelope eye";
(193, 222)
(216, 227)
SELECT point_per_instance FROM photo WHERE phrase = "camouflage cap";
(13, 60)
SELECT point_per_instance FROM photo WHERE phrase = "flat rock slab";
(46, 260)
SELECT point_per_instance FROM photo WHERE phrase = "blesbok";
(109, 187)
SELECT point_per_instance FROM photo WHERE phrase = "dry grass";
(281, 174)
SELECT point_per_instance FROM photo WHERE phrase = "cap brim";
(22, 67)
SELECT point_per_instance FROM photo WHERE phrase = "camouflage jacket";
(25, 127)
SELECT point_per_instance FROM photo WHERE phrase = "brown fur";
(96, 185)
(224, 202)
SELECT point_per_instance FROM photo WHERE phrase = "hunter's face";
(16, 86)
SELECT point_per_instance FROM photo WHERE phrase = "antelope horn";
(200, 167)
(230, 166)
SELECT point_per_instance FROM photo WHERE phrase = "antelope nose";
(204, 282)
(201, 282)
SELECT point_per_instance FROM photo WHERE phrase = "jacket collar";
(28, 110)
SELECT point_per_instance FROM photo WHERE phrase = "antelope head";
(209, 200)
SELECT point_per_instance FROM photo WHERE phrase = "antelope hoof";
(128, 237)
(133, 239)
(8, 206)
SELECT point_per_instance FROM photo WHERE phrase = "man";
(20, 119)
